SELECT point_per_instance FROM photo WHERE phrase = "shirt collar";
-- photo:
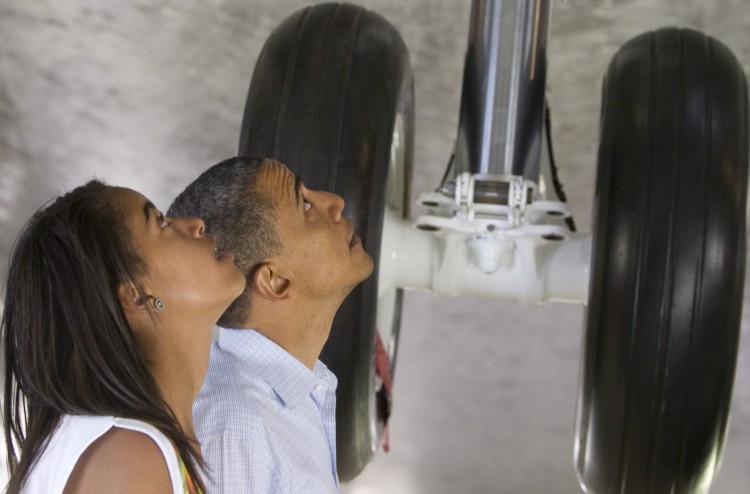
(289, 378)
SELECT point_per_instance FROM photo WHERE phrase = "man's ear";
(132, 301)
(269, 283)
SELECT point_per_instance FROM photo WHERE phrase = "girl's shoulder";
(87, 449)
(121, 460)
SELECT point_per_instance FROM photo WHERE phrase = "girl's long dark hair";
(68, 347)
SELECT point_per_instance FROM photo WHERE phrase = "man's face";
(323, 255)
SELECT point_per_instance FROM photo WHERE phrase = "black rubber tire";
(667, 269)
(324, 98)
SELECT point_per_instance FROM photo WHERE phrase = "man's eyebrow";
(297, 184)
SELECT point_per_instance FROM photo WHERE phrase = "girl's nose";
(195, 226)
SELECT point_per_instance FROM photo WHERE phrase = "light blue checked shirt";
(266, 423)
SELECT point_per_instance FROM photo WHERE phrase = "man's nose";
(334, 205)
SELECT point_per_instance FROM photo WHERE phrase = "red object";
(383, 370)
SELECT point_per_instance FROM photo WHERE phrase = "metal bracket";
(493, 211)
(489, 204)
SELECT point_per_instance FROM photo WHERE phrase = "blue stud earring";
(159, 304)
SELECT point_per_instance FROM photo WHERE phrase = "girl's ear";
(132, 301)
(269, 283)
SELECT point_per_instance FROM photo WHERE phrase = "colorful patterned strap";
(188, 486)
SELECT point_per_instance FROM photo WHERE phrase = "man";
(265, 417)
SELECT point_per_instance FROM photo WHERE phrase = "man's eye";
(308, 205)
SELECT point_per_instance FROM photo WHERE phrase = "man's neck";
(300, 329)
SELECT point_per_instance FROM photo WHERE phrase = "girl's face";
(183, 269)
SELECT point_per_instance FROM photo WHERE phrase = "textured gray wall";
(147, 94)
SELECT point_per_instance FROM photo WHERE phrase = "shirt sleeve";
(236, 464)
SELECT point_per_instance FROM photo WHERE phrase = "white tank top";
(73, 436)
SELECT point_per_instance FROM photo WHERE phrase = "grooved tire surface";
(327, 90)
(667, 269)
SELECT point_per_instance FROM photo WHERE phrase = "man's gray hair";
(242, 217)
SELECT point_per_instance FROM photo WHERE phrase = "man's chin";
(369, 269)
(365, 272)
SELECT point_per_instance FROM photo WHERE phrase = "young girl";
(107, 327)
